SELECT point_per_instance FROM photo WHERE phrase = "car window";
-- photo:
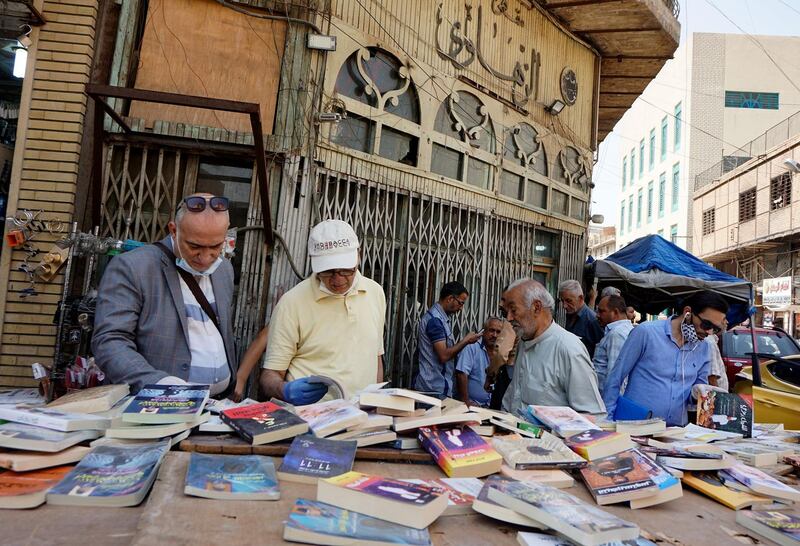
(785, 371)
(738, 345)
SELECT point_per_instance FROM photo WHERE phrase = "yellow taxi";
(777, 400)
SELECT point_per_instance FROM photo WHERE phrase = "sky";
(766, 17)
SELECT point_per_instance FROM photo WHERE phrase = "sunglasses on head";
(707, 325)
(198, 203)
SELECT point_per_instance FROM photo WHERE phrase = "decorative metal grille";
(780, 191)
(709, 217)
(413, 243)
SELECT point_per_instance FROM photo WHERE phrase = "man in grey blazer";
(149, 326)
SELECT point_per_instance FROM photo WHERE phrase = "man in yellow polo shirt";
(330, 324)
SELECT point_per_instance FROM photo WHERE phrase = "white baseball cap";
(332, 244)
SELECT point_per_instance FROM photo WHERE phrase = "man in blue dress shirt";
(663, 359)
(581, 320)
(472, 363)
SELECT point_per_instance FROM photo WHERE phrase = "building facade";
(457, 138)
(747, 223)
(602, 241)
(695, 121)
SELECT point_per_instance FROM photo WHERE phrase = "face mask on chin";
(183, 264)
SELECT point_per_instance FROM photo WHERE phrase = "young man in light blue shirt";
(612, 317)
(664, 359)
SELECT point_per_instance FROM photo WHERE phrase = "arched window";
(572, 169)
(373, 83)
(524, 174)
(464, 142)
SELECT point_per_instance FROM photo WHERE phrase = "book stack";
(327, 418)
(398, 402)
(618, 478)
(752, 480)
(158, 412)
(547, 452)
(375, 430)
(709, 484)
(460, 451)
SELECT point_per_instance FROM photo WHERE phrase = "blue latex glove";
(301, 392)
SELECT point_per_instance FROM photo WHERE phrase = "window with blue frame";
(673, 233)
(652, 149)
(664, 138)
(624, 171)
(622, 218)
(751, 99)
(662, 190)
(639, 203)
(676, 181)
(641, 158)
(649, 201)
(677, 130)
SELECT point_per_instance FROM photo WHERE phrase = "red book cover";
(256, 419)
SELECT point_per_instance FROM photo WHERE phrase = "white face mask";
(183, 264)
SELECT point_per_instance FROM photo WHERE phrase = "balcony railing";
(781, 132)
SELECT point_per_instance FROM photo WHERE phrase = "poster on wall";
(776, 292)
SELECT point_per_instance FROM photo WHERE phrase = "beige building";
(457, 138)
(747, 222)
(602, 241)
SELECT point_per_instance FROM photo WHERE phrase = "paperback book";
(24, 461)
(779, 527)
(541, 539)
(33, 438)
(26, 396)
(564, 513)
(553, 478)
(642, 427)
(392, 500)
(167, 404)
(264, 423)
(726, 411)
(710, 485)
(751, 454)
(53, 419)
(461, 492)
(92, 400)
(330, 417)
(546, 452)
(111, 476)
(486, 506)
(669, 487)
(562, 420)
(231, 477)
(316, 522)
(620, 477)
(762, 483)
(310, 458)
(460, 452)
(154, 431)
(595, 444)
(28, 489)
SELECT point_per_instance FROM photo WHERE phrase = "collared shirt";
(473, 361)
(553, 370)
(584, 325)
(433, 376)
(660, 374)
(607, 351)
(339, 336)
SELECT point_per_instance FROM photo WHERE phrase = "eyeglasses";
(459, 302)
(329, 274)
(707, 325)
(197, 203)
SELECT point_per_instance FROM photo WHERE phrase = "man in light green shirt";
(552, 366)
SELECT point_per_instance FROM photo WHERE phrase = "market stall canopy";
(654, 274)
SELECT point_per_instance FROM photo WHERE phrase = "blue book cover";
(118, 475)
(309, 518)
(246, 477)
(313, 458)
(167, 404)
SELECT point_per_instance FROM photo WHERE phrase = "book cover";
(329, 417)
(91, 400)
(23, 461)
(762, 483)
(318, 457)
(709, 484)
(27, 396)
(486, 506)
(563, 420)
(530, 453)
(781, 527)
(541, 539)
(461, 492)
(457, 450)
(309, 518)
(386, 488)
(589, 441)
(726, 411)
(21, 436)
(265, 418)
(620, 476)
(703, 434)
(564, 513)
(167, 403)
(231, 476)
(112, 471)
(53, 419)
(27, 489)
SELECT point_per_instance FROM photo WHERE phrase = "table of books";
(168, 516)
